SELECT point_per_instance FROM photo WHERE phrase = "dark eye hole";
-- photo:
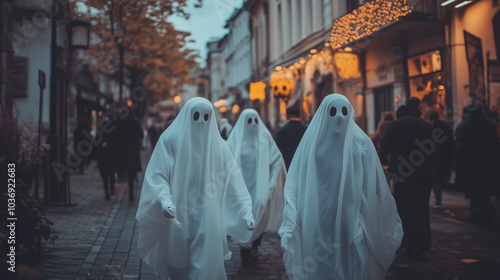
(333, 111)
(344, 111)
(255, 120)
(196, 116)
(284, 88)
(206, 117)
(275, 88)
(249, 121)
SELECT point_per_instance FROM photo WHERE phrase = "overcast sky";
(206, 23)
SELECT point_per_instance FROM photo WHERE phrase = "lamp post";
(58, 190)
(80, 33)
(177, 100)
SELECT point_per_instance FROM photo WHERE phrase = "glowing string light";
(366, 20)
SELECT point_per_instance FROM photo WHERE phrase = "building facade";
(377, 53)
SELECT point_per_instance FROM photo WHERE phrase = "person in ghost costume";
(340, 220)
(192, 197)
(264, 172)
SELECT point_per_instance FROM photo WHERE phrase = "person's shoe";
(107, 197)
(254, 256)
(245, 257)
(437, 206)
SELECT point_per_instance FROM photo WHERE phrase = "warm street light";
(219, 103)
(236, 109)
(80, 33)
(257, 91)
(282, 85)
(177, 99)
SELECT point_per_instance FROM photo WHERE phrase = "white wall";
(239, 53)
(37, 49)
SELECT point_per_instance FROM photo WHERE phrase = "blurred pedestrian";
(154, 134)
(443, 156)
(82, 128)
(408, 148)
(192, 179)
(225, 128)
(387, 118)
(107, 154)
(290, 134)
(340, 220)
(169, 121)
(129, 133)
(264, 173)
(477, 162)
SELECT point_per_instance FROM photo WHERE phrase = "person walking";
(477, 162)
(444, 154)
(192, 197)
(290, 134)
(408, 149)
(107, 155)
(130, 134)
(340, 219)
(264, 172)
(154, 134)
(387, 118)
(78, 136)
(225, 128)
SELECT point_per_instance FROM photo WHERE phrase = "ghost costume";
(193, 179)
(263, 170)
(340, 219)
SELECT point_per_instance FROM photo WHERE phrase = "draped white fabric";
(263, 170)
(193, 172)
(340, 220)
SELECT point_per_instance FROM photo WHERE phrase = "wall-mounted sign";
(282, 84)
(258, 91)
(474, 54)
(347, 65)
(423, 64)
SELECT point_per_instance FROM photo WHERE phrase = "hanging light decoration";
(366, 20)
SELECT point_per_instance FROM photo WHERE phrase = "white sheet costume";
(340, 219)
(263, 170)
(193, 179)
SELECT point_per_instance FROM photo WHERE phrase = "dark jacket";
(445, 151)
(107, 150)
(408, 142)
(129, 135)
(476, 154)
(288, 139)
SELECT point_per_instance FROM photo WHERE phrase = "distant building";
(377, 53)
(6, 52)
(238, 54)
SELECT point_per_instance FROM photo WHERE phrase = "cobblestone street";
(98, 240)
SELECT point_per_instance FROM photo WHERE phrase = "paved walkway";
(98, 240)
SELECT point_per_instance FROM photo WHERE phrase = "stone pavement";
(98, 240)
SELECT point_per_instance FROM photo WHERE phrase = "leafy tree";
(135, 36)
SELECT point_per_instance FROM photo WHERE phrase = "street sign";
(41, 79)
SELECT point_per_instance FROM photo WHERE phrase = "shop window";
(384, 101)
(496, 32)
(427, 81)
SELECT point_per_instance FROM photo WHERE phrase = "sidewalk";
(98, 240)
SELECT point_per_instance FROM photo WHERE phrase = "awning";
(366, 20)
